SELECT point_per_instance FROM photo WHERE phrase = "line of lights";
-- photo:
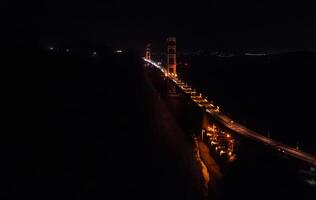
(237, 127)
(197, 98)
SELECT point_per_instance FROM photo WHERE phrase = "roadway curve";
(238, 128)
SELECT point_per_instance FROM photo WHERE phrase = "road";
(234, 126)
(238, 128)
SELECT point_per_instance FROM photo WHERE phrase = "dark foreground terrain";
(79, 126)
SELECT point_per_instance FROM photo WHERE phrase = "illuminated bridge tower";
(148, 54)
(171, 56)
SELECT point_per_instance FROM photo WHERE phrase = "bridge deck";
(238, 128)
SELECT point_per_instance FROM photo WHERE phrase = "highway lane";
(236, 127)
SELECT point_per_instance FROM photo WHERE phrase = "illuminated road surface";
(236, 127)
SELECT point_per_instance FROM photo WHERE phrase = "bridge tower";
(171, 56)
(148, 53)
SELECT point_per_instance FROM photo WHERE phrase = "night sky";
(269, 25)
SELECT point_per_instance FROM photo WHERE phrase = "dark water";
(79, 126)
(270, 94)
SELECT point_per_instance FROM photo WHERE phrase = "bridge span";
(232, 125)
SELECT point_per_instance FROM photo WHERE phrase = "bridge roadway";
(234, 126)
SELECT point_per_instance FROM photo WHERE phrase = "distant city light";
(118, 51)
(94, 53)
(67, 50)
(255, 54)
(51, 48)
